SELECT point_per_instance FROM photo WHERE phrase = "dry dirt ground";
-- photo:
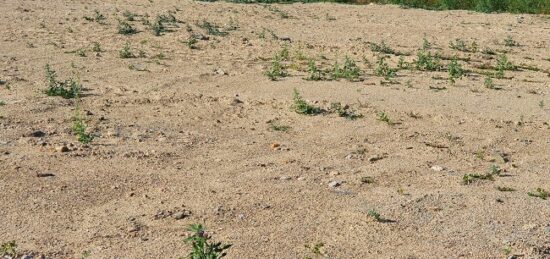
(203, 133)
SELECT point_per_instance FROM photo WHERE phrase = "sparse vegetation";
(9, 250)
(211, 28)
(502, 65)
(510, 42)
(488, 83)
(79, 128)
(201, 247)
(375, 215)
(300, 106)
(349, 71)
(382, 48)
(316, 250)
(540, 193)
(383, 116)
(455, 70)
(125, 28)
(505, 189)
(426, 61)
(383, 69)
(125, 52)
(67, 89)
(276, 70)
(97, 17)
(315, 74)
(461, 45)
(345, 111)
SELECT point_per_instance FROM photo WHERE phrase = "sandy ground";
(189, 131)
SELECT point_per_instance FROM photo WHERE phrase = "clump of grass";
(9, 250)
(502, 65)
(426, 61)
(461, 45)
(67, 89)
(274, 126)
(202, 247)
(211, 28)
(96, 47)
(349, 71)
(315, 250)
(192, 42)
(382, 48)
(315, 74)
(540, 193)
(510, 42)
(455, 70)
(375, 215)
(157, 28)
(383, 69)
(129, 15)
(125, 52)
(470, 178)
(300, 105)
(345, 111)
(505, 189)
(488, 83)
(125, 28)
(382, 116)
(79, 128)
(97, 17)
(276, 70)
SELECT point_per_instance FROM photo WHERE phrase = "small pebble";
(334, 184)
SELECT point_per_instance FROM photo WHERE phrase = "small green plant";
(96, 47)
(125, 28)
(300, 106)
(80, 52)
(315, 74)
(157, 27)
(274, 126)
(505, 189)
(344, 111)
(192, 42)
(316, 250)
(382, 116)
(382, 48)
(455, 70)
(276, 69)
(349, 71)
(426, 61)
(383, 69)
(67, 89)
(495, 170)
(284, 54)
(402, 64)
(540, 193)
(510, 42)
(426, 45)
(375, 215)
(502, 65)
(470, 178)
(367, 179)
(488, 83)
(98, 17)
(201, 247)
(129, 15)
(9, 250)
(211, 29)
(461, 45)
(541, 104)
(79, 128)
(125, 52)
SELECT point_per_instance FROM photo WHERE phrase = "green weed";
(455, 70)
(349, 71)
(125, 52)
(300, 106)
(461, 45)
(67, 89)
(426, 61)
(79, 128)
(9, 250)
(383, 69)
(540, 193)
(201, 247)
(345, 111)
(382, 48)
(315, 74)
(125, 28)
(276, 69)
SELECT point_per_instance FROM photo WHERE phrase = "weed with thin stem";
(505, 189)
(488, 83)
(316, 250)
(375, 215)
(98, 17)
(276, 69)
(382, 116)
(382, 48)
(125, 52)
(426, 61)
(540, 193)
(79, 128)
(510, 42)
(455, 70)
(461, 45)
(129, 15)
(345, 111)
(96, 47)
(349, 70)
(383, 69)
(502, 65)
(300, 105)
(211, 28)
(125, 28)
(67, 89)
(202, 247)
(315, 74)
(9, 250)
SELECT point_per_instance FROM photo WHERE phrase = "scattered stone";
(375, 158)
(133, 228)
(181, 214)
(220, 72)
(334, 173)
(62, 148)
(37, 134)
(334, 184)
(285, 38)
(275, 146)
(438, 168)
(285, 178)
